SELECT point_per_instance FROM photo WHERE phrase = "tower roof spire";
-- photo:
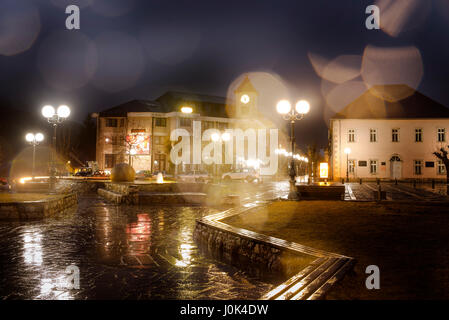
(245, 86)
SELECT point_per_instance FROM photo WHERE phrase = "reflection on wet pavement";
(122, 253)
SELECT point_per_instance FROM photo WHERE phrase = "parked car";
(195, 176)
(101, 173)
(84, 172)
(245, 174)
(143, 174)
(4, 185)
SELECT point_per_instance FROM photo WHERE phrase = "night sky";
(132, 49)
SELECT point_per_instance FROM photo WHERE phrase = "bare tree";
(443, 156)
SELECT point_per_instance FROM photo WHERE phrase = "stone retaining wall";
(37, 209)
(233, 246)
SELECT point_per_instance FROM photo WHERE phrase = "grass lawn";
(17, 197)
(409, 242)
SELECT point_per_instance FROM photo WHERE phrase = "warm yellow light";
(245, 99)
(283, 107)
(302, 107)
(324, 170)
(215, 137)
(186, 109)
(347, 150)
(226, 136)
(39, 137)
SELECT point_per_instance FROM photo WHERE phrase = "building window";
(185, 122)
(418, 167)
(111, 123)
(418, 135)
(395, 135)
(160, 122)
(222, 125)
(109, 160)
(441, 167)
(373, 135)
(158, 140)
(351, 135)
(373, 166)
(441, 134)
(208, 125)
(351, 166)
(122, 122)
(159, 162)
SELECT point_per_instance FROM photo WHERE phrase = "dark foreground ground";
(122, 252)
(408, 241)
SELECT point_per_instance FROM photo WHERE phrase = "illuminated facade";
(390, 132)
(138, 132)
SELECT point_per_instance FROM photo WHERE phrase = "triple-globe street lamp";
(34, 140)
(54, 117)
(284, 108)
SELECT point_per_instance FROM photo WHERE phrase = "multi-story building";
(138, 132)
(390, 132)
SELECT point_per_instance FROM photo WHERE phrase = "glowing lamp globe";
(39, 137)
(29, 137)
(48, 111)
(302, 107)
(347, 150)
(283, 107)
(215, 137)
(63, 111)
(226, 136)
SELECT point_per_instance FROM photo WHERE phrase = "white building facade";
(382, 145)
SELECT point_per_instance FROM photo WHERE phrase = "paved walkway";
(399, 192)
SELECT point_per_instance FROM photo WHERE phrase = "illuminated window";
(441, 167)
(441, 134)
(373, 166)
(351, 135)
(395, 135)
(418, 135)
(351, 166)
(418, 167)
(373, 135)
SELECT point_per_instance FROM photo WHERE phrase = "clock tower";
(246, 100)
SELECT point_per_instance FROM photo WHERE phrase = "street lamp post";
(34, 140)
(284, 108)
(54, 117)
(347, 152)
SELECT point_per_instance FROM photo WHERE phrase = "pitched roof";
(133, 106)
(205, 105)
(245, 86)
(397, 101)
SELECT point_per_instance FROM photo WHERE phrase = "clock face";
(245, 99)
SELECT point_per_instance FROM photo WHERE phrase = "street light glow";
(245, 99)
(215, 137)
(283, 107)
(48, 111)
(29, 137)
(347, 150)
(186, 109)
(39, 137)
(63, 111)
(302, 107)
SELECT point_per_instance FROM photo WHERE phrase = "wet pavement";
(122, 252)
